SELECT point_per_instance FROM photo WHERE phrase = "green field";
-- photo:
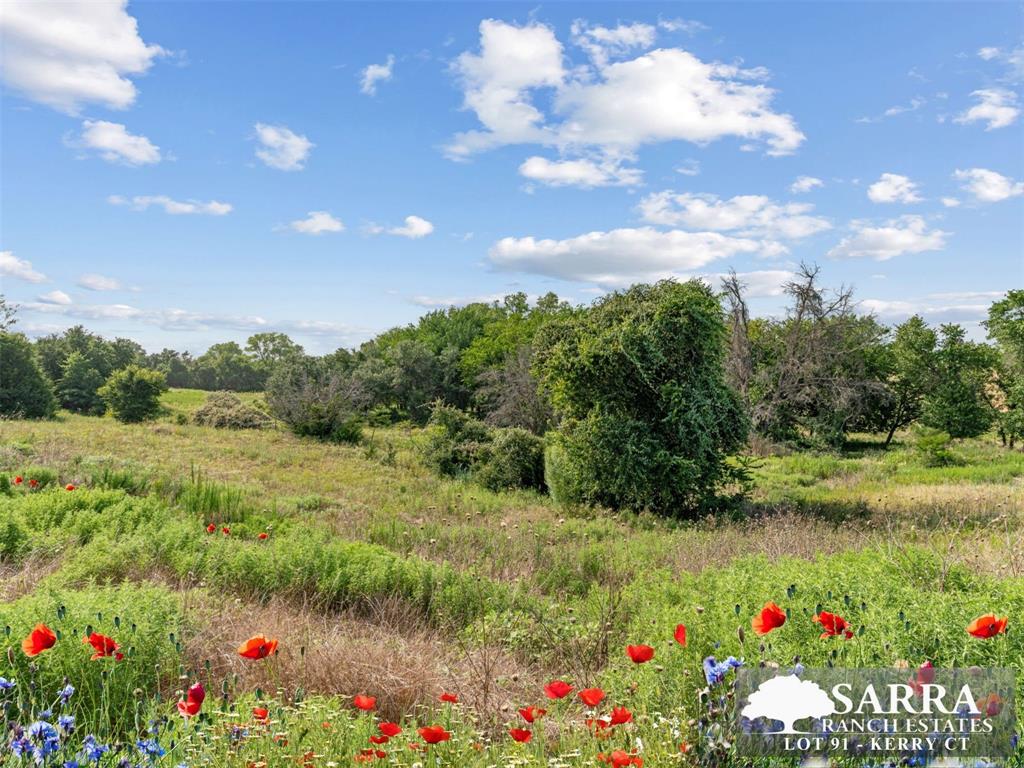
(379, 578)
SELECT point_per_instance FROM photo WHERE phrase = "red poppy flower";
(532, 714)
(449, 698)
(597, 725)
(226, 531)
(257, 647)
(434, 734)
(990, 705)
(924, 675)
(520, 734)
(69, 487)
(365, 703)
(591, 696)
(389, 729)
(771, 617)
(39, 639)
(17, 480)
(987, 626)
(640, 654)
(833, 625)
(557, 689)
(104, 646)
(211, 528)
(193, 701)
(621, 759)
(260, 714)
(263, 536)
(380, 739)
(620, 716)
(33, 483)
(680, 634)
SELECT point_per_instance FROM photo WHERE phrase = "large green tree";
(1005, 326)
(78, 389)
(25, 390)
(956, 401)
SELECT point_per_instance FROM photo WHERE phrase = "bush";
(932, 447)
(25, 391)
(133, 393)
(225, 410)
(515, 459)
(456, 443)
(316, 400)
(79, 386)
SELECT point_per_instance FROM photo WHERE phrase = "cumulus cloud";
(934, 308)
(414, 228)
(115, 144)
(316, 223)
(66, 55)
(55, 297)
(950, 202)
(757, 284)
(174, 207)
(12, 266)
(689, 167)
(376, 73)
(907, 234)
(282, 148)
(996, 106)
(94, 282)
(748, 215)
(604, 43)
(988, 186)
(1013, 60)
(805, 184)
(441, 302)
(579, 173)
(893, 188)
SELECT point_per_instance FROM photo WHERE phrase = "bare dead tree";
(739, 365)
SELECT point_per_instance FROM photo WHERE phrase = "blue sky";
(187, 173)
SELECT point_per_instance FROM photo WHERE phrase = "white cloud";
(757, 284)
(116, 145)
(316, 223)
(95, 282)
(912, 106)
(66, 55)
(988, 53)
(933, 309)
(580, 173)
(12, 266)
(376, 73)
(805, 184)
(907, 234)
(748, 215)
(688, 26)
(996, 106)
(950, 202)
(604, 43)
(414, 228)
(618, 257)
(439, 302)
(175, 207)
(55, 297)
(689, 167)
(988, 186)
(664, 95)
(893, 188)
(1013, 60)
(282, 148)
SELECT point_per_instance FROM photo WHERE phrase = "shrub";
(225, 410)
(79, 386)
(515, 459)
(133, 393)
(25, 391)
(316, 400)
(932, 447)
(456, 443)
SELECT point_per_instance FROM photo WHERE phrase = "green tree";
(78, 389)
(909, 366)
(133, 393)
(1005, 326)
(270, 349)
(226, 366)
(25, 390)
(956, 402)
(8, 315)
(648, 421)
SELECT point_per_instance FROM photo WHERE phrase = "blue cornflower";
(66, 693)
(5, 684)
(46, 714)
(71, 764)
(150, 747)
(714, 670)
(66, 723)
(43, 739)
(92, 749)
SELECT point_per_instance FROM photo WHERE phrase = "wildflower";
(211, 528)
(65, 693)
(924, 675)
(33, 483)
(5, 684)
(620, 716)
(18, 480)
(449, 698)
(150, 747)
(990, 705)
(103, 646)
(382, 739)
(771, 617)
(69, 487)
(531, 714)
(226, 531)
(680, 634)
(193, 701)
(260, 714)
(66, 723)
(640, 654)
(520, 734)
(987, 626)
(257, 647)
(365, 703)
(591, 696)
(41, 740)
(715, 671)
(434, 734)
(263, 536)
(389, 729)
(92, 749)
(621, 759)
(834, 625)
(557, 689)
(40, 639)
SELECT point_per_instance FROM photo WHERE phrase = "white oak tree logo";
(787, 698)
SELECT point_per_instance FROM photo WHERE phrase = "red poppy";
(532, 714)
(557, 689)
(226, 531)
(365, 703)
(597, 725)
(833, 625)
(33, 483)
(990, 705)
(449, 698)
(924, 675)
(211, 528)
(771, 617)
(621, 759)
(680, 634)
(17, 480)
(69, 487)
(263, 536)
(591, 696)
(434, 734)
(640, 654)
(260, 714)
(39, 639)
(380, 739)
(389, 729)
(104, 646)
(257, 647)
(520, 734)
(193, 701)
(987, 626)
(620, 716)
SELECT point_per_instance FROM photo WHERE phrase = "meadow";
(453, 606)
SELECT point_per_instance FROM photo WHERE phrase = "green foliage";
(25, 391)
(956, 401)
(78, 389)
(102, 355)
(226, 366)
(315, 399)
(455, 443)
(648, 421)
(932, 446)
(133, 393)
(514, 459)
(226, 410)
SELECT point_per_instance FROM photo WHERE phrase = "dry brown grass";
(19, 579)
